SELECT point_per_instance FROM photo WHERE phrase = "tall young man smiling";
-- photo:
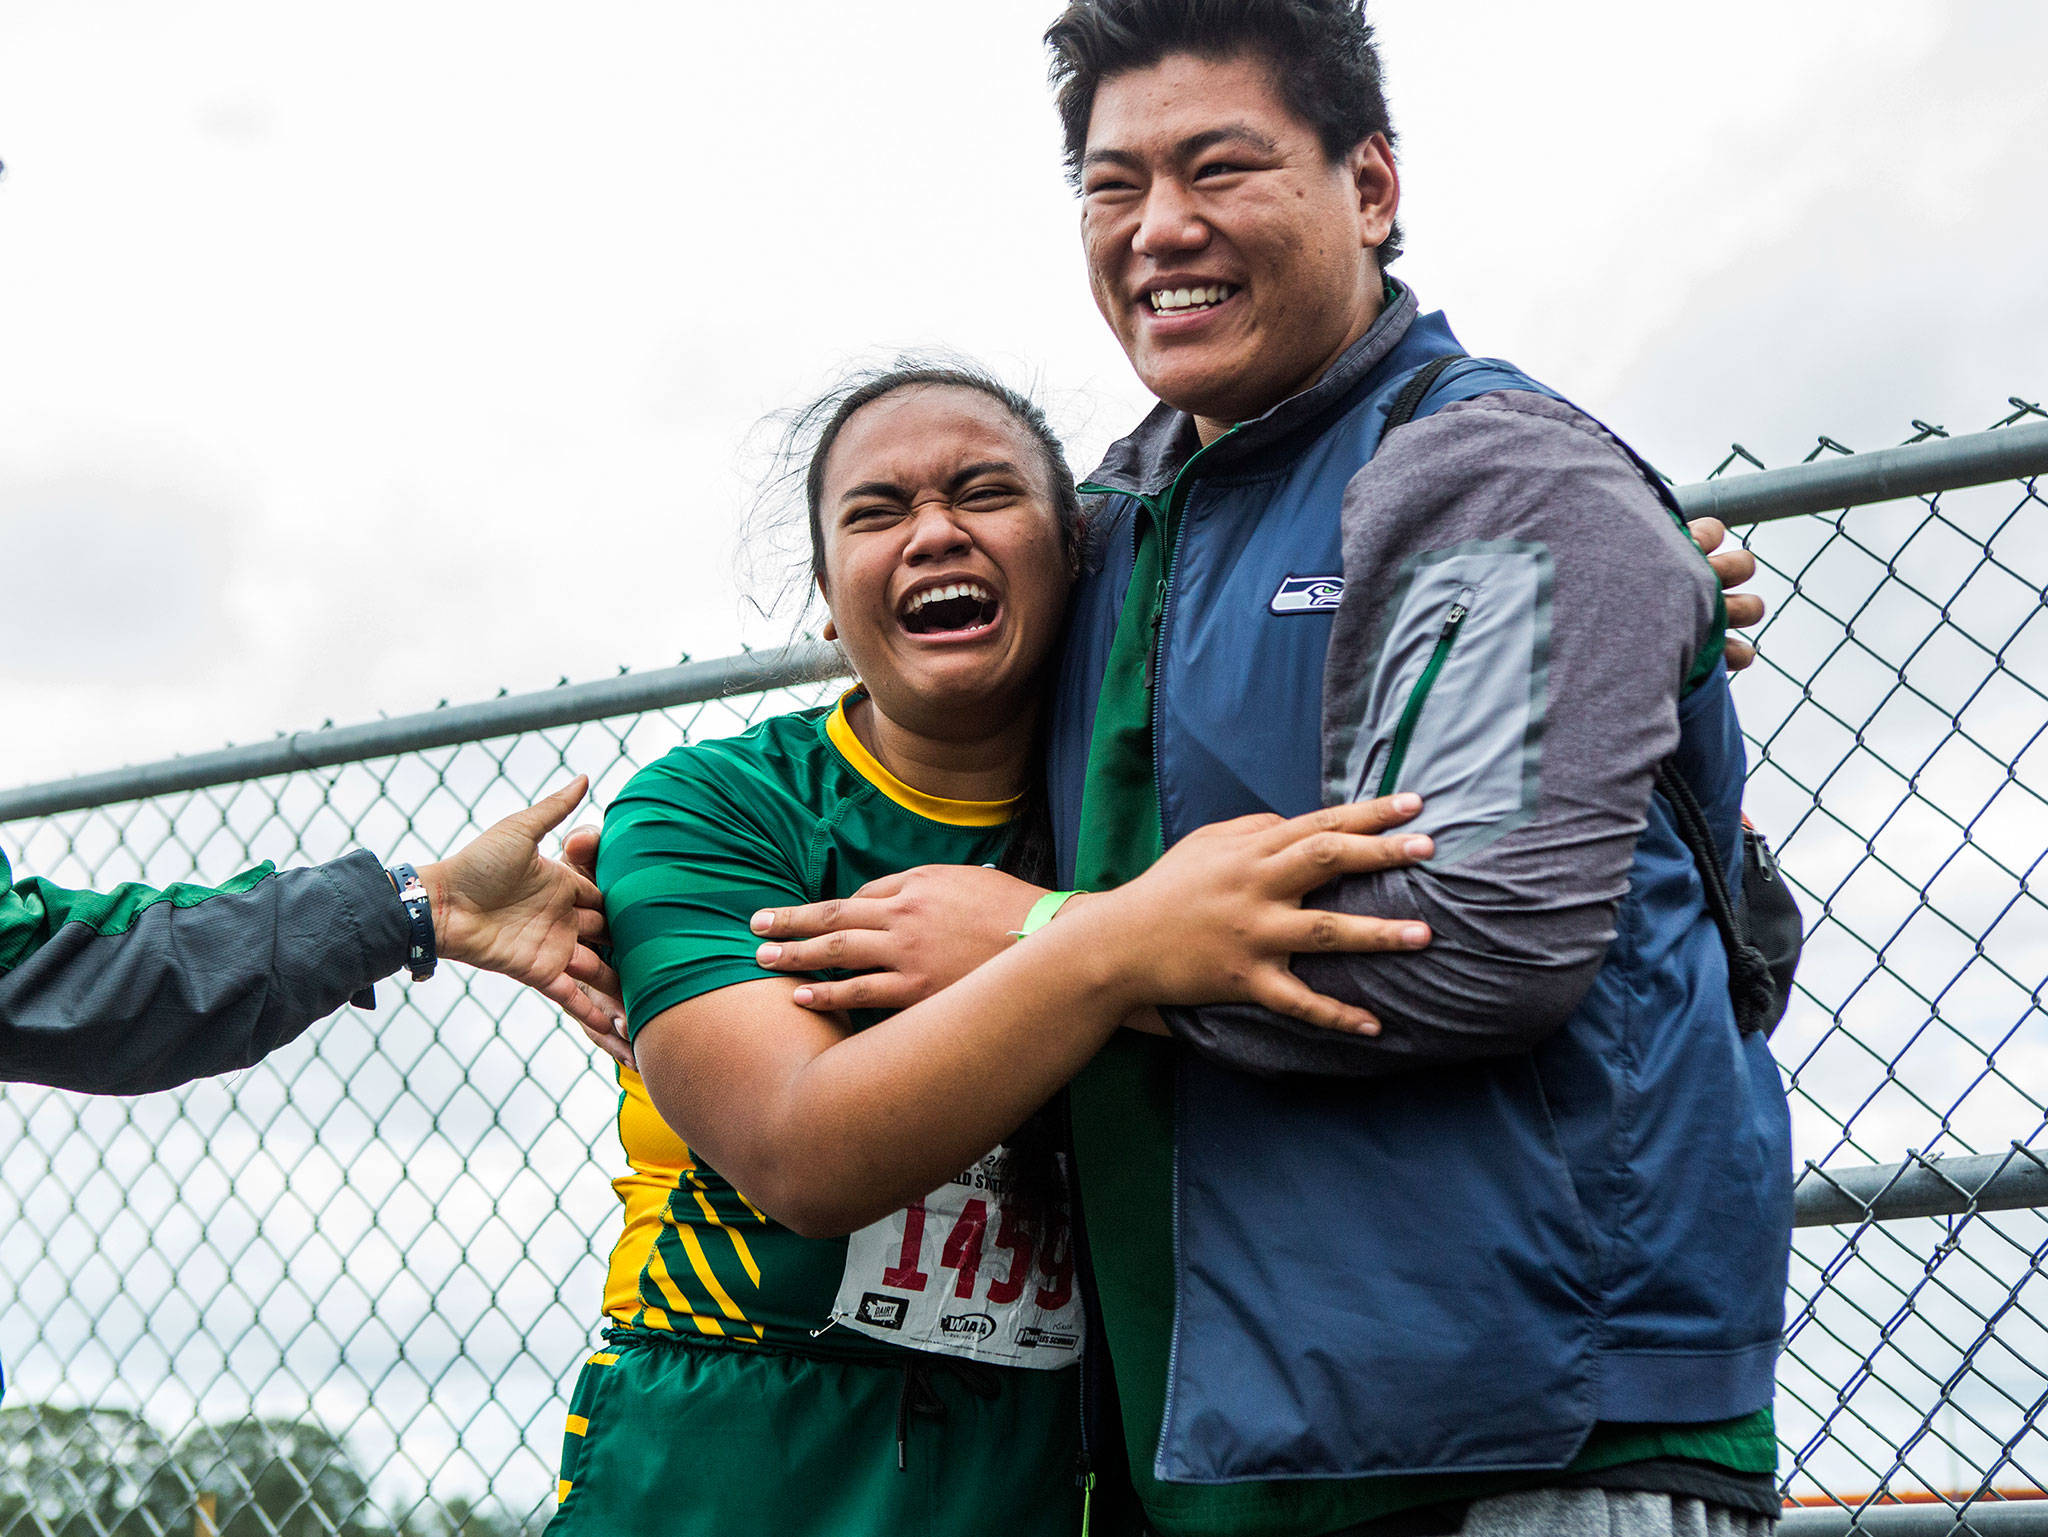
(1534, 1283)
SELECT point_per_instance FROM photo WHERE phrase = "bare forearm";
(827, 1131)
(861, 1125)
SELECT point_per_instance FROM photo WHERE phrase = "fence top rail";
(1920, 469)
(572, 704)
(1921, 1187)
(1857, 480)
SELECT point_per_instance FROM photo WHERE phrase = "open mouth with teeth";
(957, 608)
(1189, 301)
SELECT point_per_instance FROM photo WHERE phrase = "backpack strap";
(1419, 384)
(1751, 986)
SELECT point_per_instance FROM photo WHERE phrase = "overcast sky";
(354, 357)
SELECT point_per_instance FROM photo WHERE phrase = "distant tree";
(87, 1473)
(279, 1478)
(110, 1473)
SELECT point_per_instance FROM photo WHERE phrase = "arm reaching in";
(139, 989)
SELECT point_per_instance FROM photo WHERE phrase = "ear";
(1378, 186)
(831, 631)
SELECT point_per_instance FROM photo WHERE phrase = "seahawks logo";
(1308, 595)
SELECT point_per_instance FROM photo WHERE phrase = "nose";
(1168, 225)
(936, 533)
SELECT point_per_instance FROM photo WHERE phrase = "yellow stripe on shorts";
(578, 1425)
(604, 1358)
(562, 1490)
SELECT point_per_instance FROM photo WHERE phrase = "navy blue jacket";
(1465, 1266)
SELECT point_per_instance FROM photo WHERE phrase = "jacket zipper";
(1152, 646)
(1155, 668)
(1404, 731)
(1157, 675)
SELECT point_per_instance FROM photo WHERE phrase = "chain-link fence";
(345, 1291)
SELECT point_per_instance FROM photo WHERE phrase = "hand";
(1219, 918)
(910, 935)
(1734, 567)
(500, 905)
(608, 1035)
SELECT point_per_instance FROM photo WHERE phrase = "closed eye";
(988, 496)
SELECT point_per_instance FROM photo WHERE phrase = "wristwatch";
(419, 914)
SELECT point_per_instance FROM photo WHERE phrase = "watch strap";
(419, 917)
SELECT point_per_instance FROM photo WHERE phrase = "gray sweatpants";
(1607, 1513)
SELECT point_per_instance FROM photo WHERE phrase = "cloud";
(115, 574)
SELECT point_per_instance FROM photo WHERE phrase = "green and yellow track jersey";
(795, 810)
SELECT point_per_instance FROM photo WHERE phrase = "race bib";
(972, 1270)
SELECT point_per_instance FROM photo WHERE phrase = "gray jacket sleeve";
(1520, 613)
(138, 990)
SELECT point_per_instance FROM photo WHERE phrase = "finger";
(550, 811)
(1738, 652)
(578, 1004)
(1744, 609)
(590, 924)
(611, 1045)
(599, 980)
(815, 918)
(1321, 857)
(579, 851)
(1254, 822)
(875, 990)
(1284, 993)
(1320, 931)
(1733, 567)
(887, 886)
(586, 964)
(1707, 533)
(1369, 816)
(851, 950)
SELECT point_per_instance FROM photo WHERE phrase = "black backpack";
(1763, 933)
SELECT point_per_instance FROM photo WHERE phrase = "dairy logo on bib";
(880, 1311)
(1308, 595)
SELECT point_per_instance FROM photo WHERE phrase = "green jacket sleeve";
(136, 989)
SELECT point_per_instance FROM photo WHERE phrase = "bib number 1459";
(971, 1270)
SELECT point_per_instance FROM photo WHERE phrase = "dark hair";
(814, 429)
(1321, 53)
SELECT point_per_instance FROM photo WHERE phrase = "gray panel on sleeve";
(1476, 751)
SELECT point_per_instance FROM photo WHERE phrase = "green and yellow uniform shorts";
(671, 1438)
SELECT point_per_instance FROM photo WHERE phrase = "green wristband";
(1043, 911)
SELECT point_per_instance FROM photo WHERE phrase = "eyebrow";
(1189, 147)
(890, 490)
